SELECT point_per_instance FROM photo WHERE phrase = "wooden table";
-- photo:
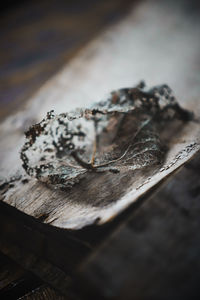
(151, 250)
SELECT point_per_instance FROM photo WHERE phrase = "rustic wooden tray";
(157, 42)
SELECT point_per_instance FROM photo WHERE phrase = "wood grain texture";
(9, 271)
(130, 56)
(52, 255)
(154, 253)
(36, 40)
(43, 293)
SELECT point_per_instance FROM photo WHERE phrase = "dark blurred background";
(40, 37)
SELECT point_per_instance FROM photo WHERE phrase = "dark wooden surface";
(157, 243)
(151, 251)
(39, 37)
(154, 253)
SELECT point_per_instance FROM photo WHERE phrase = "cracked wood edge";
(154, 254)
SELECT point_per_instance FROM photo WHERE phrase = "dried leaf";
(122, 132)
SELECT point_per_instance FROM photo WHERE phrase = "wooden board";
(38, 38)
(154, 253)
(147, 45)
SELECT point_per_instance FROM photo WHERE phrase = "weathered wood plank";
(9, 271)
(52, 255)
(154, 253)
(17, 283)
(146, 45)
(157, 220)
(44, 293)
